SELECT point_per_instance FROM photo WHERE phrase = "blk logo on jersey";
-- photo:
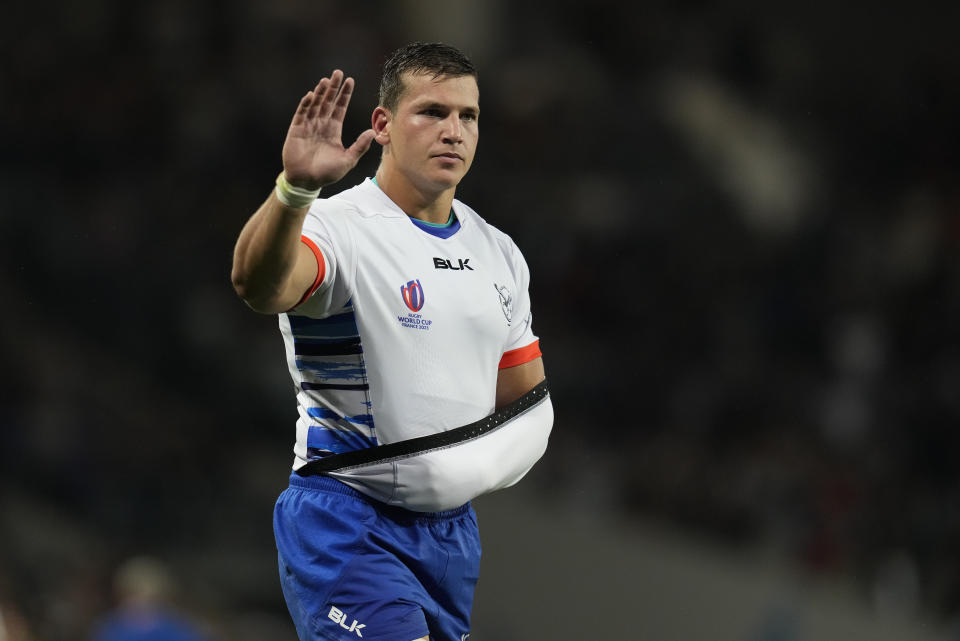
(446, 263)
(412, 294)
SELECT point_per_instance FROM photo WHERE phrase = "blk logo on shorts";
(339, 616)
(412, 294)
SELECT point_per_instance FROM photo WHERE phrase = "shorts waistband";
(328, 484)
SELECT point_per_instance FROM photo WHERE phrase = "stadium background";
(742, 223)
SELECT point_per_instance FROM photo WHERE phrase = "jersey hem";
(330, 484)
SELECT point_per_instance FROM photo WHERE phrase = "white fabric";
(446, 478)
(419, 372)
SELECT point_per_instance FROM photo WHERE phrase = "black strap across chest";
(413, 446)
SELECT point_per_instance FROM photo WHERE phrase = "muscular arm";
(514, 382)
(272, 269)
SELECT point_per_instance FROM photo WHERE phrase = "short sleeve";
(326, 234)
(522, 344)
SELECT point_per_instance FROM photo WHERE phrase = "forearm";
(265, 257)
(272, 269)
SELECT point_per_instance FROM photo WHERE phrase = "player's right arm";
(272, 268)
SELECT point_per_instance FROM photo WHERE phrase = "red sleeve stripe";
(520, 355)
(321, 268)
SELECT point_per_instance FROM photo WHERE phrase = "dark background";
(742, 223)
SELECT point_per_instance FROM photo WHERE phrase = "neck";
(424, 204)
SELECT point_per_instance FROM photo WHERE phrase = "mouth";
(449, 155)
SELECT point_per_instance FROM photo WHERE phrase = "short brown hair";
(434, 58)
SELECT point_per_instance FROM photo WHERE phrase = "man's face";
(434, 130)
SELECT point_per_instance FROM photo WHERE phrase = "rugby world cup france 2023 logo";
(412, 294)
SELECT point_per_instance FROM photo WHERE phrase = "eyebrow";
(475, 111)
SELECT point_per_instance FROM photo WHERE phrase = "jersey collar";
(445, 230)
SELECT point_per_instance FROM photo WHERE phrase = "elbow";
(256, 299)
(239, 282)
(241, 285)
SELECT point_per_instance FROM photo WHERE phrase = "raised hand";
(313, 153)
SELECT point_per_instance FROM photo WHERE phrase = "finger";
(300, 115)
(343, 100)
(362, 144)
(332, 91)
(316, 98)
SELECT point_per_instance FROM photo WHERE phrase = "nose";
(452, 132)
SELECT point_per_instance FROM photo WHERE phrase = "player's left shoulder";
(475, 224)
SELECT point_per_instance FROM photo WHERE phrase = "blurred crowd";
(742, 223)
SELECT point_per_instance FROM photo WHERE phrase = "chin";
(445, 182)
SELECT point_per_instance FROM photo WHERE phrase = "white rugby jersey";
(405, 329)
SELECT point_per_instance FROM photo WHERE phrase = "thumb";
(362, 144)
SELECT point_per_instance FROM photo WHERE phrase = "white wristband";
(293, 196)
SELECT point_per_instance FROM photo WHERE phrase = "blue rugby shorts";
(354, 568)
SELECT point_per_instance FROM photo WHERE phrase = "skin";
(429, 141)
(271, 267)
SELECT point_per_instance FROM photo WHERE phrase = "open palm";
(313, 153)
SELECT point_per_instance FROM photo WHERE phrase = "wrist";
(293, 196)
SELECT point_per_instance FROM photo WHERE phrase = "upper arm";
(303, 278)
(273, 268)
(514, 382)
(307, 276)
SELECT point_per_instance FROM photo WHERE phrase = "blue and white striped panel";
(338, 433)
(329, 358)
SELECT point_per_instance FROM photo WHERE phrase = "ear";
(380, 122)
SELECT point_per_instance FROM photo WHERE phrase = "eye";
(432, 112)
(469, 116)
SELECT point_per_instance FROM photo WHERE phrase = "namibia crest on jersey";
(412, 294)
